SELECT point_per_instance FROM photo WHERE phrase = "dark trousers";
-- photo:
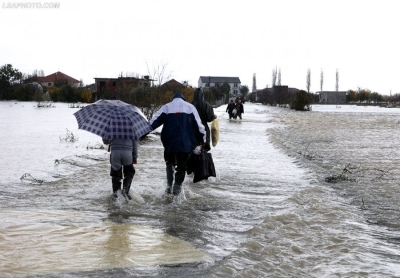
(116, 177)
(128, 170)
(177, 161)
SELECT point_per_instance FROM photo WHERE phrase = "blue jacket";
(182, 125)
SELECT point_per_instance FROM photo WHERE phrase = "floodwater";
(297, 194)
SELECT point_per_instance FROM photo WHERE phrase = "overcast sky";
(88, 39)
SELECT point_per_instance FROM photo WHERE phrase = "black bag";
(201, 165)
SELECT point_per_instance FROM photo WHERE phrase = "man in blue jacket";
(182, 129)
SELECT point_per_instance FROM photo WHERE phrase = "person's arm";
(200, 130)
(107, 142)
(158, 119)
(210, 113)
(134, 151)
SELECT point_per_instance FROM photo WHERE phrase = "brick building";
(115, 86)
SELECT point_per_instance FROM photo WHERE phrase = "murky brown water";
(269, 212)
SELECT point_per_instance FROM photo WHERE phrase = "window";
(235, 85)
(102, 86)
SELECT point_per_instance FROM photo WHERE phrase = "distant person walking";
(229, 109)
(123, 156)
(182, 127)
(239, 109)
(206, 113)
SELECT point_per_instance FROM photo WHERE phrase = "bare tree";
(322, 79)
(37, 72)
(274, 76)
(130, 74)
(254, 89)
(308, 80)
(279, 77)
(337, 80)
(159, 73)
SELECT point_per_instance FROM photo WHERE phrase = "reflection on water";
(269, 211)
(40, 242)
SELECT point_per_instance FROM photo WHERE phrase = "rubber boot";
(116, 185)
(170, 178)
(177, 189)
(127, 187)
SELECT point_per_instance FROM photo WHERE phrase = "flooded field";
(311, 194)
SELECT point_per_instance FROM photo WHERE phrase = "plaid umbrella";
(113, 119)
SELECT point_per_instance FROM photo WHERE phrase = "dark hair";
(178, 95)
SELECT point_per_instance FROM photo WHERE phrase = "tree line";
(300, 99)
(14, 85)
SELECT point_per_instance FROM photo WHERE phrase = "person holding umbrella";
(123, 156)
(121, 125)
(182, 127)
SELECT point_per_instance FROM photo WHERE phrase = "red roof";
(57, 76)
(173, 83)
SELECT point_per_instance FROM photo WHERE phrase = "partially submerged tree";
(147, 99)
(308, 80)
(337, 80)
(8, 77)
(321, 82)
(254, 88)
(279, 77)
(86, 95)
(302, 101)
(274, 76)
(244, 90)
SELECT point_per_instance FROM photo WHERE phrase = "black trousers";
(128, 170)
(177, 161)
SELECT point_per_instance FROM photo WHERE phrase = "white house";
(216, 81)
(49, 80)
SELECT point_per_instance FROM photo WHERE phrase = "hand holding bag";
(202, 166)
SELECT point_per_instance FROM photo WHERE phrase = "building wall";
(51, 84)
(332, 97)
(105, 85)
(118, 85)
